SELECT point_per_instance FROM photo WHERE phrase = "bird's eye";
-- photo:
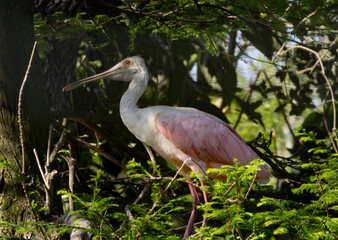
(128, 62)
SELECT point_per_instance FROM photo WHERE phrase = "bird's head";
(127, 70)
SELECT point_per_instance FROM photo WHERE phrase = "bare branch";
(153, 175)
(57, 146)
(40, 168)
(90, 120)
(328, 133)
(168, 186)
(251, 185)
(48, 145)
(334, 129)
(20, 110)
(152, 158)
(279, 104)
(101, 152)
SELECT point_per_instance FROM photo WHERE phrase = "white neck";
(128, 110)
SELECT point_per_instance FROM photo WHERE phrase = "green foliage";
(315, 216)
(238, 207)
(129, 220)
(96, 208)
(5, 164)
(232, 207)
(153, 219)
(277, 94)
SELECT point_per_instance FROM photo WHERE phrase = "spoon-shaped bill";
(109, 73)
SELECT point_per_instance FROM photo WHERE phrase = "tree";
(17, 158)
(294, 78)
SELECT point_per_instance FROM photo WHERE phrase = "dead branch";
(57, 147)
(23, 170)
(320, 62)
(168, 186)
(20, 110)
(101, 152)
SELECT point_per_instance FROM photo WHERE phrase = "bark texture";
(16, 43)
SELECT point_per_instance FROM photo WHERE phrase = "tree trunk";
(16, 43)
(58, 69)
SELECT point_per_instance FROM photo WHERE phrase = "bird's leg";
(195, 202)
(206, 200)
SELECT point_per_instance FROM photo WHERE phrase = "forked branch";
(332, 100)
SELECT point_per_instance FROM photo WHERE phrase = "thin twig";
(229, 189)
(47, 179)
(251, 185)
(327, 82)
(152, 158)
(295, 28)
(279, 51)
(165, 190)
(48, 145)
(153, 175)
(144, 190)
(23, 169)
(128, 213)
(101, 224)
(20, 110)
(308, 16)
(88, 120)
(176, 10)
(164, 17)
(57, 146)
(328, 133)
(101, 152)
(71, 170)
(196, 234)
(168, 186)
(40, 168)
(71, 165)
(282, 110)
(240, 233)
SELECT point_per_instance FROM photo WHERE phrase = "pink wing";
(205, 137)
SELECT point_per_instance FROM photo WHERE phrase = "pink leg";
(195, 202)
(206, 199)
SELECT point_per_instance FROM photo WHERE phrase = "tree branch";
(20, 110)
(333, 101)
(101, 152)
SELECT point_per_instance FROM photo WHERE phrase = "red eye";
(128, 62)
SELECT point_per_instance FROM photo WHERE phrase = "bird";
(188, 138)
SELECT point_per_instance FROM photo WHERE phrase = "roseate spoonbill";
(188, 138)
